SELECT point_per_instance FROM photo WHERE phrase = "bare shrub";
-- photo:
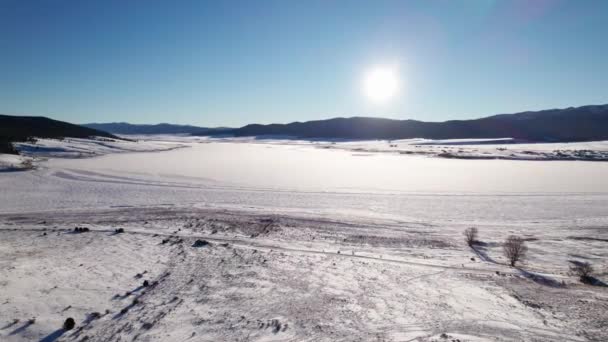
(27, 164)
(514, 249)
(470, 235)
(94, 315)
(583, 270)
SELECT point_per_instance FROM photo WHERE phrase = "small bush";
(94, 315)
(146, 283)
(470, 235)
(583, 270)
(119, 230)
(275, 324)
(514, 249)
(27, 164)
(69, 324)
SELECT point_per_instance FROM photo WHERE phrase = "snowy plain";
(309, 241)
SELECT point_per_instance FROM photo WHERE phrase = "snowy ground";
(11, 162)
(82, 148)
(306, 244)
(506, 148)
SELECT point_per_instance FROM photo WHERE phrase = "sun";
(380, 84)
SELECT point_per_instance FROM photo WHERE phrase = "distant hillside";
(561, 125)
(163, 128)
(20, 128)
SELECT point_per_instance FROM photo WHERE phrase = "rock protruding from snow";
(200, 243)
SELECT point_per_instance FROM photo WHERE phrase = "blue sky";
(237, 62)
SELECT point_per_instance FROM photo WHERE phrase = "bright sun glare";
(380, 84)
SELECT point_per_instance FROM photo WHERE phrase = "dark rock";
(69, 324)
(200, 243)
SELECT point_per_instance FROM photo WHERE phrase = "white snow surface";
(96, 146)
(309, 241)
(504, 148)
(12, 162)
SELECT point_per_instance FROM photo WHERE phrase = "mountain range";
(162, 128)
(585, 123)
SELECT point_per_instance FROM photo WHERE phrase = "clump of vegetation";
(514, 249)
(146, 283)
(583, 270)
(27, 164)
(69, 324)
(275, 324)
(94, 315)
(14, 322)
(7, 147)
(81, 229)
(119, 230)
(470, 235)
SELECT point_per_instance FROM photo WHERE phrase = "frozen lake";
(304, 178)
(305, 168)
